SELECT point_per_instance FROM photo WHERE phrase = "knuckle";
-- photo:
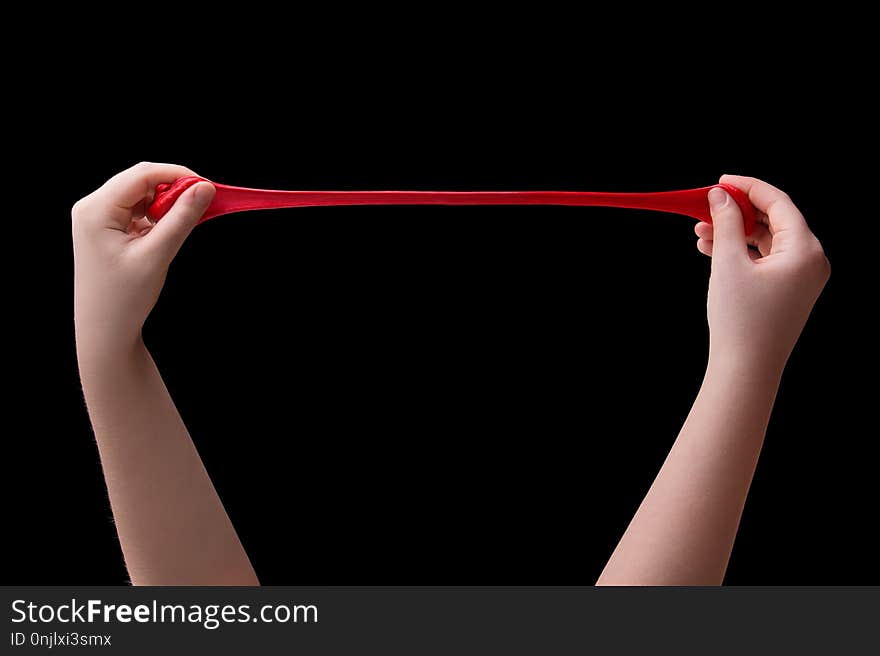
(825, 266)
(814, 259)
(76, 210)
(79, 211)
(779, 199)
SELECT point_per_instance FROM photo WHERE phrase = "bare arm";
(683, 532)
(172, 526)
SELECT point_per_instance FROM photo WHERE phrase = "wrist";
(752, 351)
(752, 366)
(98, 350)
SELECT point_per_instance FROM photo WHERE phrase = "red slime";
(690, 202)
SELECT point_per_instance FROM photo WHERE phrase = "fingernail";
(717, 198)
(202, 194)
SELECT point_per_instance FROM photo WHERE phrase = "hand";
(760, 297)
(121, 258)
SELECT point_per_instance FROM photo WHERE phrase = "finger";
(126, 190)
(705, 247)
(761, 239)
(139, 211)
(129, 187)
(783, 217)
(167, 236)
(729, 238)
(138, 226)
(704, 230)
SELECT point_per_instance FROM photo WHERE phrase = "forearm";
(172, 526)
(683, 532)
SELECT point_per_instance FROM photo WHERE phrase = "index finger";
(131, 186)
(781, 212)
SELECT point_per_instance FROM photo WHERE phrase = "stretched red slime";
(689, 202)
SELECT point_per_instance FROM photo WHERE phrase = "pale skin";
(172, 526)
(171, 523)
(759, 301)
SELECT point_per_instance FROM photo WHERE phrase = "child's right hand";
(121, 258)
(759, 300)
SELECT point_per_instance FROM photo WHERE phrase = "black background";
(442, 395)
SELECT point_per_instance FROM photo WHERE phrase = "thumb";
(729, 234)
(168, 235)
